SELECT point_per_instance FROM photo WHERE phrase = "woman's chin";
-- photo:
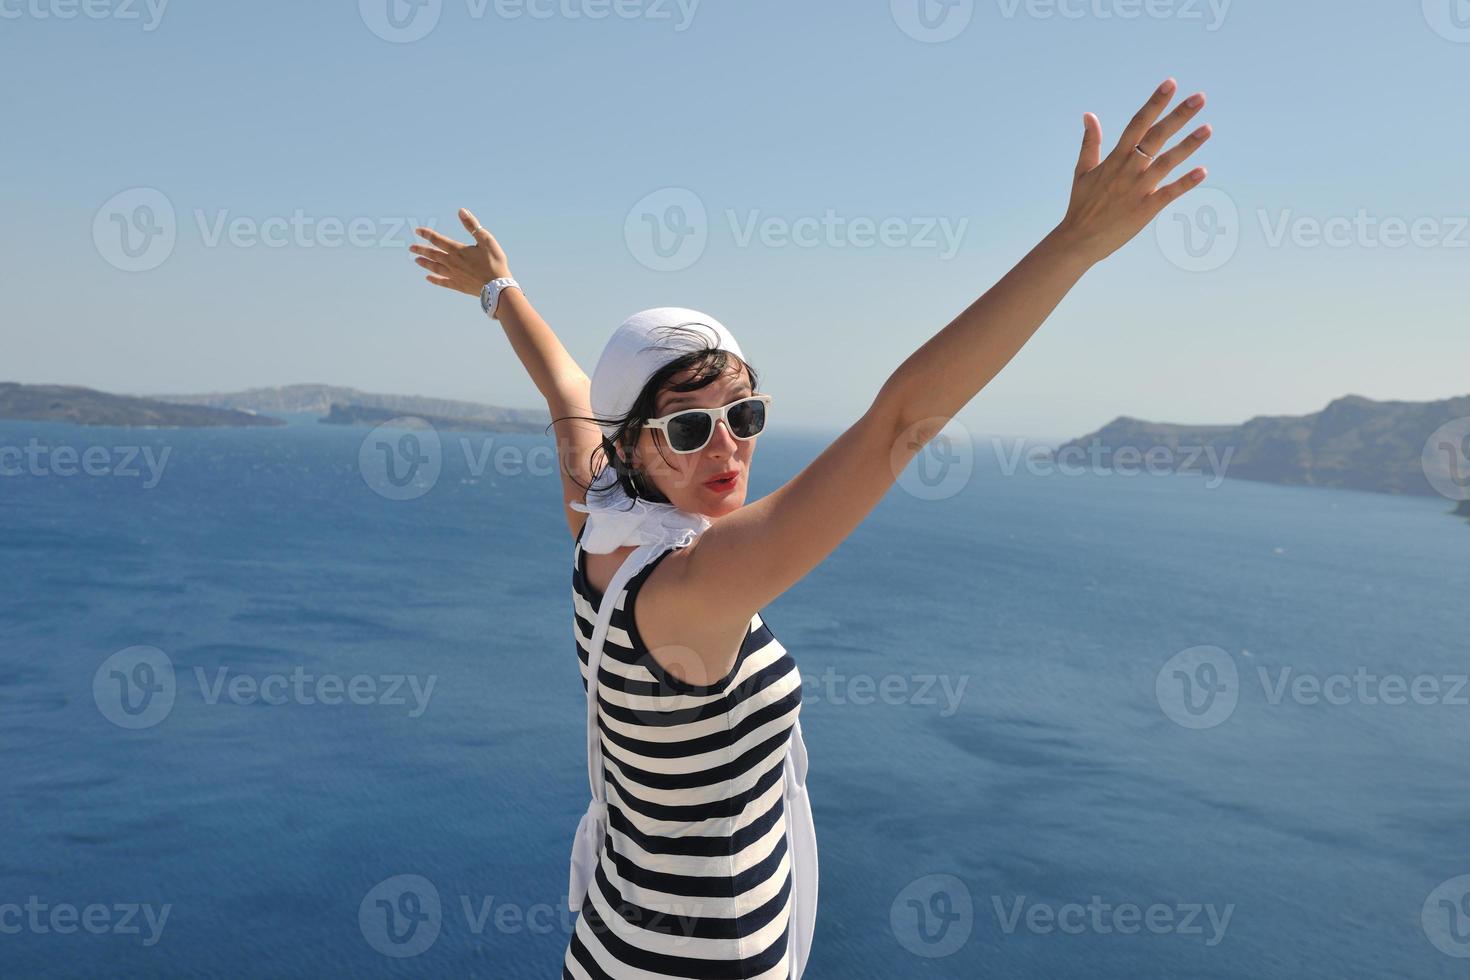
(713, 504)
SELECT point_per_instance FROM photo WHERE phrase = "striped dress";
(693, 879)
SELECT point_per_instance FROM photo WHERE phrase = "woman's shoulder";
(688, 635)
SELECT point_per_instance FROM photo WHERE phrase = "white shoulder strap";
(593, 825)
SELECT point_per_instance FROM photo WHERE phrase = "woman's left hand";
(1113, 199)
(454, 265)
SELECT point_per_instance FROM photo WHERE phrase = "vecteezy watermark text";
(149, 13)
(403, 915)
(36, 459)
(1102, 459)
(137, 230)
(402, 458)
(936, 21)
(934, 916)
(301, 687)
(137, 687)
(1103, 918)
(1201, 687)
(669, 229)
(64, 918)
(1203, 231)
(406, 21)
(925, 690)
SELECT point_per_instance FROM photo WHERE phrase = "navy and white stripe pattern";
(694, 878)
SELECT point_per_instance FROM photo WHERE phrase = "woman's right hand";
(454, 265)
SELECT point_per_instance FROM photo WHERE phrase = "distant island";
(319, 398)
(86, 406)
(1463, 510)
(255, 407)
(364, 415)
(1354, 443)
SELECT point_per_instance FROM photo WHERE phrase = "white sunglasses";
(690, 429)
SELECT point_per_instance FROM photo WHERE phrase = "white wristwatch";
(490, 295)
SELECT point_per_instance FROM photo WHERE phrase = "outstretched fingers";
(428, 252)
(1169, 193)
(1145, 116)
(481, 233)
(1178, 153)
(443, 241)
(1159, 133)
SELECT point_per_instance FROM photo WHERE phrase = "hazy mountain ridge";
(367, 415)
(305, 398)
(87, 406)
(1354, 443)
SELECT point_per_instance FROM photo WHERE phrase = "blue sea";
(268, 709)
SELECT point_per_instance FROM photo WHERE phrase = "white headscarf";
(640, 347)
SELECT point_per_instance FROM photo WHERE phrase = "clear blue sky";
(553, 127)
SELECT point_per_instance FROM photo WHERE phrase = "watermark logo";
(1198, 688)
(401, 458)
(933, 916)
(1446, 459)
(1201, 231)
(406, 21)
(1450, 19)
(401, 916)
(934, 458)
(400, 21)
(667, 231)
(135, 688)
(135, 230)
(932, 21)
(149, 13)
(1446, 917)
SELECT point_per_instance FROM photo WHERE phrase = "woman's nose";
(722, 439)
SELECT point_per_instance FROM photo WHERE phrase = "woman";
(687, 862)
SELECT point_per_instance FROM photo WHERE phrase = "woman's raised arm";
(757, 552)
(466, 268)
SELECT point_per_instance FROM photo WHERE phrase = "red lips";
(728, 476)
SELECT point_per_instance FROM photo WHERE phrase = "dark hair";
(708, 363)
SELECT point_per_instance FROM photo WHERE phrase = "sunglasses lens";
(689, 431)
(748, 418)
